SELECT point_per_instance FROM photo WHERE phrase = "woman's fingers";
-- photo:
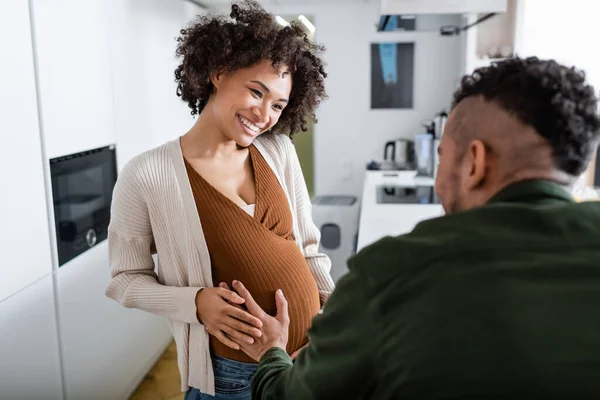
(228, 295)
(236, 335)
(244, 316)
(243, 327)
(224, 339)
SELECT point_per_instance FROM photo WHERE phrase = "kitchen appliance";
(436, 156)
(439, 123)
(398, 194)
(400, 152)
(82, 187)
(424, 158)
(337, 219)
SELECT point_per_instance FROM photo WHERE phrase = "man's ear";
(478, 160)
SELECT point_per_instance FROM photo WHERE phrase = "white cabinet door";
(392, 220)
(71, 38)
(24, 233)
(107, 349)
(29, 355)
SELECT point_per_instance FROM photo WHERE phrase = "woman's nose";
(262, 114)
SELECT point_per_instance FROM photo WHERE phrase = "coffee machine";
(426, 145)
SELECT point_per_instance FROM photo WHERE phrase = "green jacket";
(501, 301)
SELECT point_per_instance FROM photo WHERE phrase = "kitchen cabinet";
(29, 352)
(493, 39)
(379, 220)
(107, 349)
(24, 233)
(396, 7)
(74, 71)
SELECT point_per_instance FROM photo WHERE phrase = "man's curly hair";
(555, 100)
(218, 44)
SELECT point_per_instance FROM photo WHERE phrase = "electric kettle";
(400, 152)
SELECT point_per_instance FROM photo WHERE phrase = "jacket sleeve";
(310, 236)
(133, 282)
(339, 360)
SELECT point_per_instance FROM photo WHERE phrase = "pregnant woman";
(226, 201)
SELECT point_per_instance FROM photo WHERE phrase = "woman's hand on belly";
(225, 321)
(274, 329)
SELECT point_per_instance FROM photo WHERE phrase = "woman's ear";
(216, 79)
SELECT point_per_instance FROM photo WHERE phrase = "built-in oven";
(82, 187)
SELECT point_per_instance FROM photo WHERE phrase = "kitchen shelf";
(485, 62)
(493, 39)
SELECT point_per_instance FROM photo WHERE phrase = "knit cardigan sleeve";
(310, 236)
(133, 282)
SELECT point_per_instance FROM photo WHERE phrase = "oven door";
(82, 187)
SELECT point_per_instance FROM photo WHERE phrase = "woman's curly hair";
(218, 44)
(555, 100)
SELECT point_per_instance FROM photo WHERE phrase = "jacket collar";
(530, 190)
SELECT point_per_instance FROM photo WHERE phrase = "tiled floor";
(162, 382)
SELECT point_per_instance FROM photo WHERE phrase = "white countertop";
(379, 220)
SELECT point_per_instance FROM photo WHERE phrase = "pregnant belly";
(285, 268)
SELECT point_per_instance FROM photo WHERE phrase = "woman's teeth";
(249, 125)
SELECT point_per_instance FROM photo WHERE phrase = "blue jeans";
(232, 381)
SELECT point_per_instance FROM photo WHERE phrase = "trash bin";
(337, 219)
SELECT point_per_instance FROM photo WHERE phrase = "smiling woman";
(215, 44)
(226, 201)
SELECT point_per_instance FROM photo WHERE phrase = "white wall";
(550, 29)
(142, 47)
(349, 133)
(553, 30)
(192, 10)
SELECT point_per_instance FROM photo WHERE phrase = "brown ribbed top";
(258, 251)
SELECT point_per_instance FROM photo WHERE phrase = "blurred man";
(500, 298)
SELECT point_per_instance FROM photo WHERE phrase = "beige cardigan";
(153, 204)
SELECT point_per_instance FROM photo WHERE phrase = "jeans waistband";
(232, 366)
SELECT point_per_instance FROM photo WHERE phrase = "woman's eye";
(256, 93)
(278, 107)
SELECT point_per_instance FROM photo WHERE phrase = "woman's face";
(250, 101)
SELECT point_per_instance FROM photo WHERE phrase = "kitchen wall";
(103, 74)
(551, 30)
(349, 133)
(142, 49)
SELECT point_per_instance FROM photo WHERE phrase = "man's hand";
(274, 329)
